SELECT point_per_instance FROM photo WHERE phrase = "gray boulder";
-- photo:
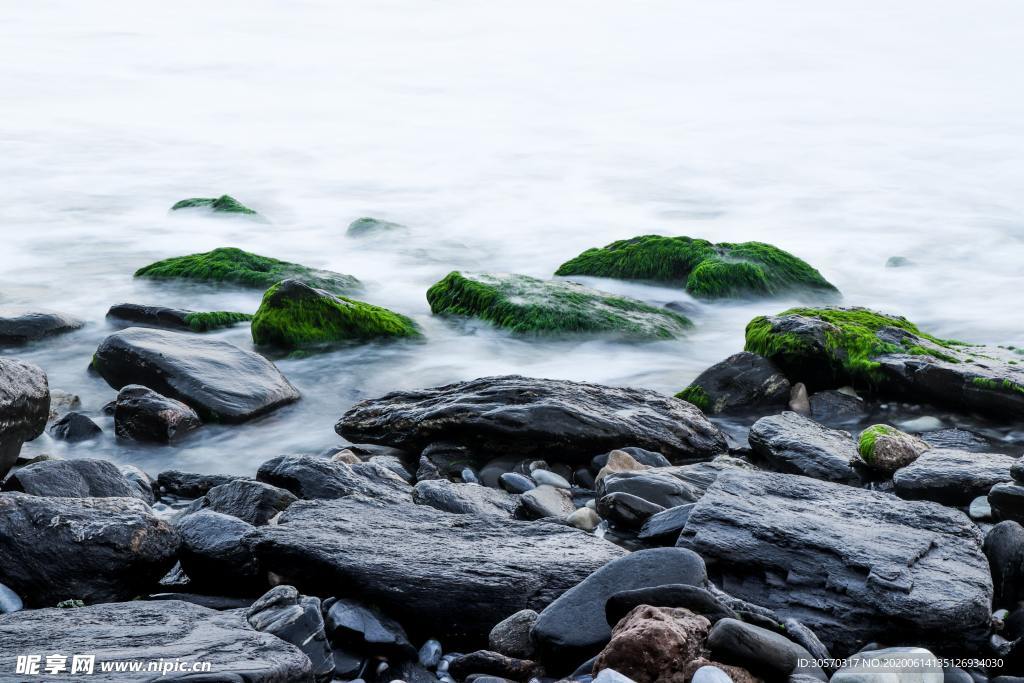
(798, 445)
(952, 477)
(472, 499)
(24, 408)
(213, 556)
(742, 382)
(255, 502)
(141, 414)
(78, 478)
(310, 476)
(760, 651)
(18, 327)
(295, 619)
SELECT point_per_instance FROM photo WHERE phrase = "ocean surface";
(508, 136)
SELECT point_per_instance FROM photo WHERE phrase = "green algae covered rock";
(237, 267)
(531, 306)
(222, 204)
(370, 227)
(706, 270)
(832, 346)
(176, 318)
(294, 315)
(887, 449)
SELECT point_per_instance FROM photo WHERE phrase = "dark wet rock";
(255, 502)
(693, 598)
(574, 626)
(362, 629)
(547, 501)
(653, 643)
(142, 482)
(373, 227)
(142, 414)
(837, 407)
(742, 382)
(700, 476)
(394, 464)
(176, 318)
(156, 629)
(295, 619)
(310, 476)
(1007, 501)
(511, 636)
(78, 478)
(957, 439)
(799, 445)
(655, 486)
(217, 602)
(952, 477)
(388, 554)
(443, 460)
(22, 327)
(640, 455)
(220, 381)
(471, 499)
(91, 549)
(189, 484)
(74, 427)
(747, 611)
(624, 509)
(513, 482)
(903, 570)
(493, 664)
(808, 640)
(24, 408)
(9, 600)
(213, 556)
(514, 414)
(666, 525)
(1004, 548)
(1017, 470)
(759, 650)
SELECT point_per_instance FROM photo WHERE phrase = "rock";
(742, 382)
(710, 674)
(213, 556)
(232, 266)
(21, 327)
(887, 449)
(759, 650)
(693, 598)
(527, 305)
(430, 654)
(168, 629)
(79, 478)
(373, 227)
(667, 524)
(347, 456)
(61, 402)
(641, 455)
(549, 478)
(91, 549)
(218, 380)
(190, 485)
(890, 354)
(24, 408)
(310, 476)
(979, 509)
(618, 461)
(584, 518)
(1017, 470)
(493, 664)
(294, 315)
(837, 407)
(808, 640)
(1007, 501)
(902, 570)
(142, 414)
(394, 464)
(365, 630)
(294, 619)
(511, 636)
(547, 501)
(957, 439)
(611, 676)
(799, 401)
(652, 643)
(898, 262)
(573, 627)
(74, 427)
(895, 664)
(799, 445)
(470, 499)
(706, 270)
(176, 318)
(388, 554)
(626, 510)
(655, 486)
(255, 502)
(514, 414)
(1004, 548)
(222, 204)
(9, 600)
(952, 477)
(513, 482)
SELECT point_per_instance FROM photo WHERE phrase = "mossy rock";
(887, 449)
(704, 269)
(222, 204)
(294, 315)
(243, 268)
(697, 396)
(177, 318)
(371, 227)
(528, 305)
(887, 354)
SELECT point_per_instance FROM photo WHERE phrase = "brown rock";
(619, 461)
(654, 644)
(737, 674)
(886, 449)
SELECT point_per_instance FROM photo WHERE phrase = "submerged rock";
(855, 564)
(141, 414)
(528, 305)
(372, 227)
(799, 445)
(743, 381)
(706, 270)
(244, 269)
(77, 478)
(294, 315)
(20, 327)
(24, 408)
(522, 415)
(176, 318)
(830, 346)
(222, 204)
(220, 381)
(952, 477)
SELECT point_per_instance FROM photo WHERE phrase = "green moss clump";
(212, 320)
(697, 396)
(997, 385)
(294, 315)
(364, 227)
(706, 270)
(866, 443)
(238, 267)
(527, 305)
(222, 204)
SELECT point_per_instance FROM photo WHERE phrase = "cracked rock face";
(853, 565)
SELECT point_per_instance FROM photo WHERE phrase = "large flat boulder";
(20, 327)
(514, 414)
(853, 565)
(220, 381)
(24, 408)
(952, 477)
(454, 575)
(153, 630)
(796, 444)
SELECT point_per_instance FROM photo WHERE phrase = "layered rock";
(309, 476)
(24, 408)
(78, 478)
(742, 382)
(952, 477)
(798, 445)
(176, 318)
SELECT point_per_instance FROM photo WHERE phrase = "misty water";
(507, 137)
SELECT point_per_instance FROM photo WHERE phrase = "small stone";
(430, 653)
(624, 509)
(710, 674)
(549, 478)
(511, 636)
(886, 449)
(652, 643)
(1007, 501)
(346, 456)
(619, 461)
(925, 423)
(513, 482)
(799, 402)
(759, 650)
(9, 600)
(612, 676)
(74, 427)
(585, 518)
(547, 501)
(493, 664)
(296, 619)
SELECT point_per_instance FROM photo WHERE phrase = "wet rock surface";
(80, 478)
(24, 407)
(952, 477)
(22, 327)
(309, 476)
(742, 382)
(798, 445)
(142, 414)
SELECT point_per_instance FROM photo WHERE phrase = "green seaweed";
(294, 315)
(706, 270)
(243, 268)
(997, 385)
(866, 442)
(696, 395)
(527, 305)
(222, 204)
(212, 320)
